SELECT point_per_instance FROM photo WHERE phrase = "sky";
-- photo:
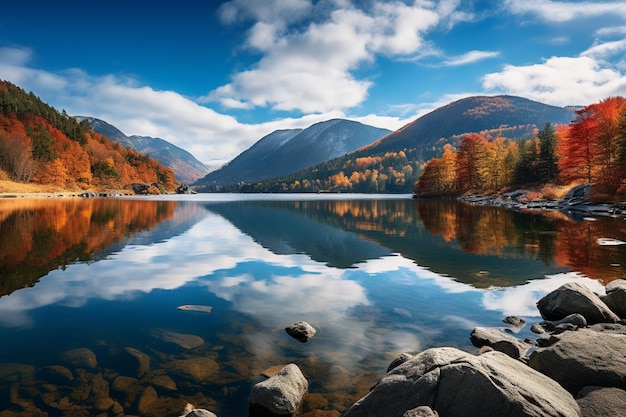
(213, 77)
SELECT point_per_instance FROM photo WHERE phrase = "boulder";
(615, 297)
(516, 323)
(500, 341)
(301, 331)
(199, 412)
(601, 402)
(572, 298)
(137, 362)
(575, 319)
(80, 358)
(279, 395)
(583, 358)
(458, 384)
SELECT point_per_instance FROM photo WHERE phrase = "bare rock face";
(584, 358)
(601, 402)
(572, 298)
(279, 395)
(615, 297)
(454, 383)
(301, 331)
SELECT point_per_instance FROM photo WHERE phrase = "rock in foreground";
(279, 395)
(454, 383)
(574, 297)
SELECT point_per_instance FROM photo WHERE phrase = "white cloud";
(562, 11)
(560, 81)
(311, 68)
(470, 57)
(212, 137)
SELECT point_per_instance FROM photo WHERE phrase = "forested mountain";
(186, 167)
(500, 116)
(393, 163)
(42, 145)
(286, 151)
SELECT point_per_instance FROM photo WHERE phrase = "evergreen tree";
(547, 168)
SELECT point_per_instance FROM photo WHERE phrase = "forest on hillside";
(591, 149)
(41, 145)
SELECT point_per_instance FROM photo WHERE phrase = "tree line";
(38, 144)
(591, 149)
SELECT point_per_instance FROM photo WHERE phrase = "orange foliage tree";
(590, 148)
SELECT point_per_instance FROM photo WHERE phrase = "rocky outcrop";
(582, 358)
(455, 383)
(301, 331)
(279, 395)
(601, 402)
(574, 298)
(615, 297)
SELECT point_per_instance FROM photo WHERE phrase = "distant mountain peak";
(186, 167)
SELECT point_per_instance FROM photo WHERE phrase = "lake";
(141, 305)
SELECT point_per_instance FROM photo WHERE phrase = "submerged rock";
(136, 360)
(457, 384)
(186, 341)
(196, 307)
(301, 331)
(279, 395)
(81, 358)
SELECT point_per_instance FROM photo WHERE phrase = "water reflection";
(375, 277)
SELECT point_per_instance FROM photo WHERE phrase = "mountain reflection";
(480, 246)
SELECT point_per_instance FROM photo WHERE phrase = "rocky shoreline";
(574, 204)
(576, 367)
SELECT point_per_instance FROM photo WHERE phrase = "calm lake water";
(90, 291)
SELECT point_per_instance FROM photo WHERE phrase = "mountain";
(186, 167)
(286, 151)
(393, 162)
(507, 116)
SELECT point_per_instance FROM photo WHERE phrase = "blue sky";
(214, 77)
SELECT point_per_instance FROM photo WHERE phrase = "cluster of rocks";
(109, 381)
(576, 367)
(575, 203)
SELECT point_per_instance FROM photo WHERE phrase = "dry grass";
(8, 187)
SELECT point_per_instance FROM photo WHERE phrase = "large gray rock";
(281, 394)
(615, 297)
(457, 384)
(601, 402)
(584, 358)
(500, 341)
(572, 298)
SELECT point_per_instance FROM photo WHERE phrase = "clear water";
(375, 275)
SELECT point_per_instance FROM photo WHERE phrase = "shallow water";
(375, 275)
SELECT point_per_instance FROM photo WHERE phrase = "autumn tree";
(470, 163)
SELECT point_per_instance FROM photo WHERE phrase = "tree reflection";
(40, 235)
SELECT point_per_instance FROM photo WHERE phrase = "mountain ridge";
(186, 167)
(286, 151)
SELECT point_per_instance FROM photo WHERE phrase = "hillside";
(286, 151)
(186, 167)
(40, 145)
(505, 116)
(393, 162)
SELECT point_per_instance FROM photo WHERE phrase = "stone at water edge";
(456, 383)
(500, 341)
(301, 331)
(281, 394)
(574, 297)
(583, 358)
(191, 411)
(615, 297)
